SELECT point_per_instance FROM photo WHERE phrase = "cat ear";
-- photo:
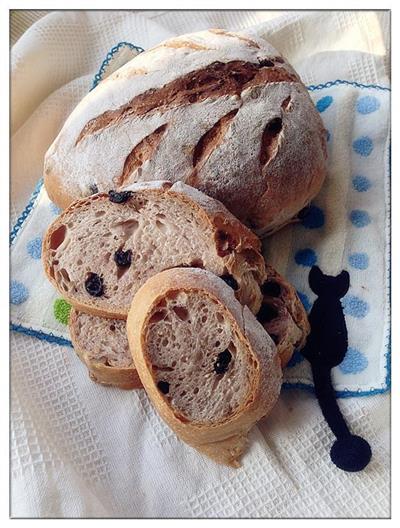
(342, 283)
(315, 279)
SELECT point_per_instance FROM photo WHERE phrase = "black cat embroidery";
(326, 348)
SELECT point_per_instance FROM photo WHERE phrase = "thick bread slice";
(103, 346)
(206, 363)
(282, 315)
(162, 226)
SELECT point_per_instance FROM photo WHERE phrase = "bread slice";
(207, 364)
(153, 227)
(282, 315)
(102, 345)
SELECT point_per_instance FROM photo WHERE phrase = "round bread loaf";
(220, 111)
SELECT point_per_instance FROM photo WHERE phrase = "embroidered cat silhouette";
(326, 348)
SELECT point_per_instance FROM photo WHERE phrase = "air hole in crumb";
(99, 213)
(181, 312)
(157, 316)
(64, 274)
(197, 263)
(161, 226)
(125, 228)
(217, 344)
(196, 390)
(79, 262)
(57, 237)
(220, 318)
(112, 328)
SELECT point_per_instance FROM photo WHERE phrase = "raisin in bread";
(207, 364)
(220, 111)
(282, 315)
(101, 249)
(102, 345)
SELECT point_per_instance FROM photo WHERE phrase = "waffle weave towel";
(81, 450)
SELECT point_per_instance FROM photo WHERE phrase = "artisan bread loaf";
(102, 345)
(101, 249)
(220, 111)
(282, 315)
(207, 364)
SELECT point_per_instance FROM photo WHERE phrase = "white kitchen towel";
(82, 450)
(346, 227)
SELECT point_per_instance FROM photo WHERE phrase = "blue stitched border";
(389, 272)
(51, 338)
(313, 87)
(26, 212)
(109, 56)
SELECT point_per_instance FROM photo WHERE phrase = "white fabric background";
(80, 450)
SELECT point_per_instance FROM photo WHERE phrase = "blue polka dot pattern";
(355, 306)
(314, 218)
(306, 257)
(361, 183)
(363, 146)
(34, 248)
(18, 292)
(295, 359)
(359, 218)
(354, 362)
(367, 104)
(55, 209)
(359, 260)
(305, 301)
(324, 103)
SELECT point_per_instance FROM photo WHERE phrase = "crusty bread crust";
(237, 247)
(121, 377)
(223, 441)
(230, 118)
